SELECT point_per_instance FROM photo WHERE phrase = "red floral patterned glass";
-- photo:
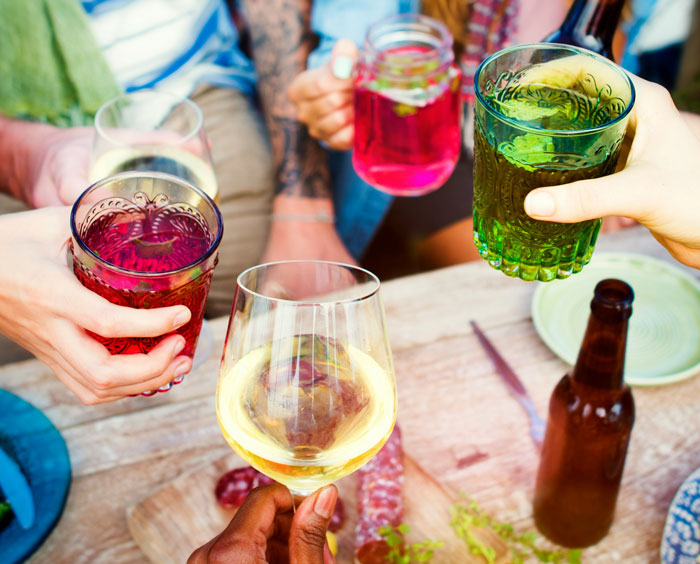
(147, 240)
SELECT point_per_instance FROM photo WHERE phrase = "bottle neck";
(601, 359)
(592, 24)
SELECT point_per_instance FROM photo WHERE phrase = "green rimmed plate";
(663, 343)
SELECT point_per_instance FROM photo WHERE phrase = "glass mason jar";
(545, 114)
(407, 106)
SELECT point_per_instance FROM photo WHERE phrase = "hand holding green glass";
(545, 114)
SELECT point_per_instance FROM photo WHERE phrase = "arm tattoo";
(281, 40)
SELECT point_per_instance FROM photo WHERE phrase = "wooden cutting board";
(182, 515)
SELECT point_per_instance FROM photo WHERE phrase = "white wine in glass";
(306, 388)
(149, 130)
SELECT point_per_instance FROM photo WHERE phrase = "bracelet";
(318, 217)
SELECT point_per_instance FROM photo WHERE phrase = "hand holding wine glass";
(306, 389)
(267, 525)
(49, 164)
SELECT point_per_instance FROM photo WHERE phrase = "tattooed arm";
(281, 41)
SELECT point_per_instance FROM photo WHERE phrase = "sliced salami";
(338, 517)
(379, 500)
(233, 486)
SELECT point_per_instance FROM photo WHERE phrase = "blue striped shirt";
(178, 44)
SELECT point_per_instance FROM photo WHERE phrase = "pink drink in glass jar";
(407, 106)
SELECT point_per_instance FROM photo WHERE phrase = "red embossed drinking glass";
(147, 240)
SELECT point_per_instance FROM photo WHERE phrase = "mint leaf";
(523, 110)
(528, 149)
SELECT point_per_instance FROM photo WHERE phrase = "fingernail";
(342, 67)
(539, 204)
(325, 502)
(180, 370)
(181, 318)
(177, 349)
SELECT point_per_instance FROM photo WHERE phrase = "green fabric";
(51, 67)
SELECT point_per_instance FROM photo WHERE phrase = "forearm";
(281, 43)
(12, 160)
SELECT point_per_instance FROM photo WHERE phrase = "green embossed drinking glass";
(545, 114)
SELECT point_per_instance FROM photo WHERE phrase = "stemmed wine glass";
(156, 131)
(306, 388)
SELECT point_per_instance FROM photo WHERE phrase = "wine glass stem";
(298, 498)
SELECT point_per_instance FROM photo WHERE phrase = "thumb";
(343, 59)
(307, 535)
(71, 186)
(616, 194)
(70, 174)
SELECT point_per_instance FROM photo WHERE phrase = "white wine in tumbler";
(170, 160)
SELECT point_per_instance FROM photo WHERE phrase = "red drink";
(403, 149)
(407, 106)
(147, 240)
(157, 241)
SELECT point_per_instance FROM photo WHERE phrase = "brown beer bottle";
(591, 413)
(590, 24)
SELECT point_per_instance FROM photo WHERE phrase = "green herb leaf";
(5, 514)
(523, 110)
(402, 553)
(528, 149)
(467, 516)
(403, 110)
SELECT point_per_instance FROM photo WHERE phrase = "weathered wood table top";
(458, 420)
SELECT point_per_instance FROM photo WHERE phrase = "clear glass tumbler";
(545, 114)
(151, 130)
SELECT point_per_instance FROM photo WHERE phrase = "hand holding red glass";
(147, 240)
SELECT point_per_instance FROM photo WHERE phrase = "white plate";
(663, 342)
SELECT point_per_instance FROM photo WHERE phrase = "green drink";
(544, 115)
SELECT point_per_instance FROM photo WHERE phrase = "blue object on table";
(28, 437)
(680, 543)
(16, 490)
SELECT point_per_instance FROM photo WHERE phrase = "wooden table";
(458, 420)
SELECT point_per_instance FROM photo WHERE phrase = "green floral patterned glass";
(545, 114)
